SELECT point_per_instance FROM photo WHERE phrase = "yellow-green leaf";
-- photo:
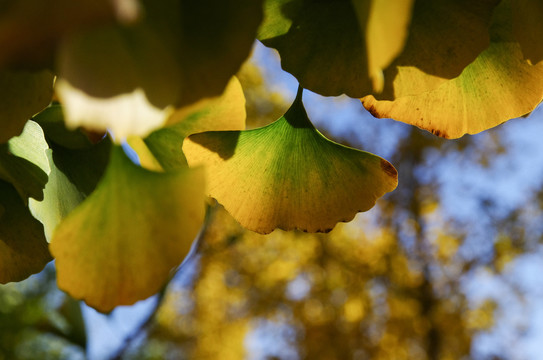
(226, 112)
(288, 175)
(499, 85)
(22, 94)
(121, 243)
(23, 248)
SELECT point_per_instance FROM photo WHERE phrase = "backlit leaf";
(499, 85)
(336, 47)
(226, 112)
(22, 94)
(287, 175)
(23, 248)
(121, 243)
(23, 162)
(179, 52)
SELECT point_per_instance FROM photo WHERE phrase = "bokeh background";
(448, 266)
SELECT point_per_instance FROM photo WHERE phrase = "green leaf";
(226, 112)
(288, 175)
(336, 47)
(180, 52)
(23, 162)
(23, 249)
(22, 94)
(121, 243)
(499, 85)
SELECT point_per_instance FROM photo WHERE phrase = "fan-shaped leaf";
(23, 249)
(121, 243)
(499, 85)
(287, 175)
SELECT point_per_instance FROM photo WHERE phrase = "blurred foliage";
(39, 321)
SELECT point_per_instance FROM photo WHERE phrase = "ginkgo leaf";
(61, 196)
(226, 112)
(528, 28)
(23, 162)
(342, 46)
(288, 175)
(179, 52)
(121, 243)
(499, 85)
(23, 248)
(22, 94)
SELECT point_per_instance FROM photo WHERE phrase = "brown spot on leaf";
(389, 169)
(371, 108)
(439, 133)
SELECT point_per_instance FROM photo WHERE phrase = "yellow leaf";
(288, 175)
(499, 85)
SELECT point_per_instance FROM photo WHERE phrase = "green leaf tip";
(287, 175)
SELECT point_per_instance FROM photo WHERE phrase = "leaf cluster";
(160, 77)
